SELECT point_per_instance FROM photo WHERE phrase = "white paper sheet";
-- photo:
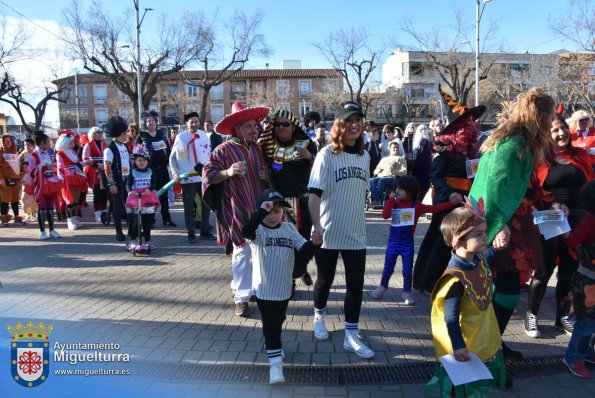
(554, 228)
(465, 372)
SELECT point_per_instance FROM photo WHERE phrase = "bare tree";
(99, 41)
(349, 51)
(577, 24)
(577, 81)
(11, 44)
(227, 49)
(331, 95)
(15, 98)
(440, 46)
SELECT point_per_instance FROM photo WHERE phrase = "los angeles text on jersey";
(283, 242)
(344, 173)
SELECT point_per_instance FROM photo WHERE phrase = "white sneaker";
(43, 235)
(320, 332)
(77, 220)
(408, 298)
(276, 374)
(72, 225)
(352, 343)
(378, 292)
(54, 234)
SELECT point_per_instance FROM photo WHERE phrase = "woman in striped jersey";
(338, 184)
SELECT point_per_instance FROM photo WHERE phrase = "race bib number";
(471, 166)
(13, 160)
(125, 170)
(159, 146)
(402, 217)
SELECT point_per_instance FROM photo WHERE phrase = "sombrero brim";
(226, 125)
(475, 112)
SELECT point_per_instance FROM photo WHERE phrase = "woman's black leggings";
(552, 249)
(355, 267)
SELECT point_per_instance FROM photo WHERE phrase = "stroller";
(138, 204)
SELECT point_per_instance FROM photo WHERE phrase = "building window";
(101, 116)
(385, 111)
(282, 88)
(172, 90)
(237, 90)
(305, 107)
(69, 95)
(100, 94)
(191, 91)
(171, 115)
(285, 106)
(416, 69)
(329, 113)
(217, 113)
(216, 93)
(417, 93)
(153, 107)
(123, 97)
(305, 88)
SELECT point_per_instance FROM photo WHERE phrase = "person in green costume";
(510, 155)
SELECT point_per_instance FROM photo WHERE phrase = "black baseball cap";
(273, 196)
(346, 109)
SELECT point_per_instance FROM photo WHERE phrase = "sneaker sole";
(277, 381)
(535, 334)
(363, 356)
(320, 338)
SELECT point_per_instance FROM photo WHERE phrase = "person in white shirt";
(116, 168)
(189, 153)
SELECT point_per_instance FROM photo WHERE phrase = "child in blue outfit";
(400, 239)
(582, 239)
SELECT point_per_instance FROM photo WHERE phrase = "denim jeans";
(378, 185)
(580, 345)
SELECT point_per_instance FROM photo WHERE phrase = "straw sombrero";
(239, 113)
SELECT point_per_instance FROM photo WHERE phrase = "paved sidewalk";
(175, 307)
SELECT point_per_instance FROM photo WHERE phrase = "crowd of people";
(282, 195)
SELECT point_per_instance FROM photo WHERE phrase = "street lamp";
(478, 14)
(139, 21)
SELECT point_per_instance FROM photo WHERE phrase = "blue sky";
(290, 27)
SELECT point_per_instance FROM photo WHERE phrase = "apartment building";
(290, 87)
(410, 81)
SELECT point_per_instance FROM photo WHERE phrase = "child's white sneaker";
(352, 343)
(276, 374)
(72, 225)
(98, 216)
(408, 298)
(54, 234)
(320, 331)
(43, 235)
(378, 292)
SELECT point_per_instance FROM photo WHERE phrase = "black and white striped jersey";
(273, 254)
(343, 179)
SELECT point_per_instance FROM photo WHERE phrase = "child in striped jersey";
(274, 244)
(400, 239)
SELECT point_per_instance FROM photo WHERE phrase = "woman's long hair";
(529, 117)
(337, 132)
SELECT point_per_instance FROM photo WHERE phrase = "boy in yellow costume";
(463, 319)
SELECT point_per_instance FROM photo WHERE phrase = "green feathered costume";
(502, 180)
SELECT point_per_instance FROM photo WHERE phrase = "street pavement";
(172, 313)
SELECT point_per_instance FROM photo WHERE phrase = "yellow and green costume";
(478, 326)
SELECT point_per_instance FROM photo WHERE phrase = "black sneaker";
(169, 223)
(192, 237)
(307, 279)
(243, 310)
(566, 323)
(531, 325)
(207, 236)
(120, 237)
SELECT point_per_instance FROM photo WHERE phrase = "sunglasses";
(584, 120)
(282, 124)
